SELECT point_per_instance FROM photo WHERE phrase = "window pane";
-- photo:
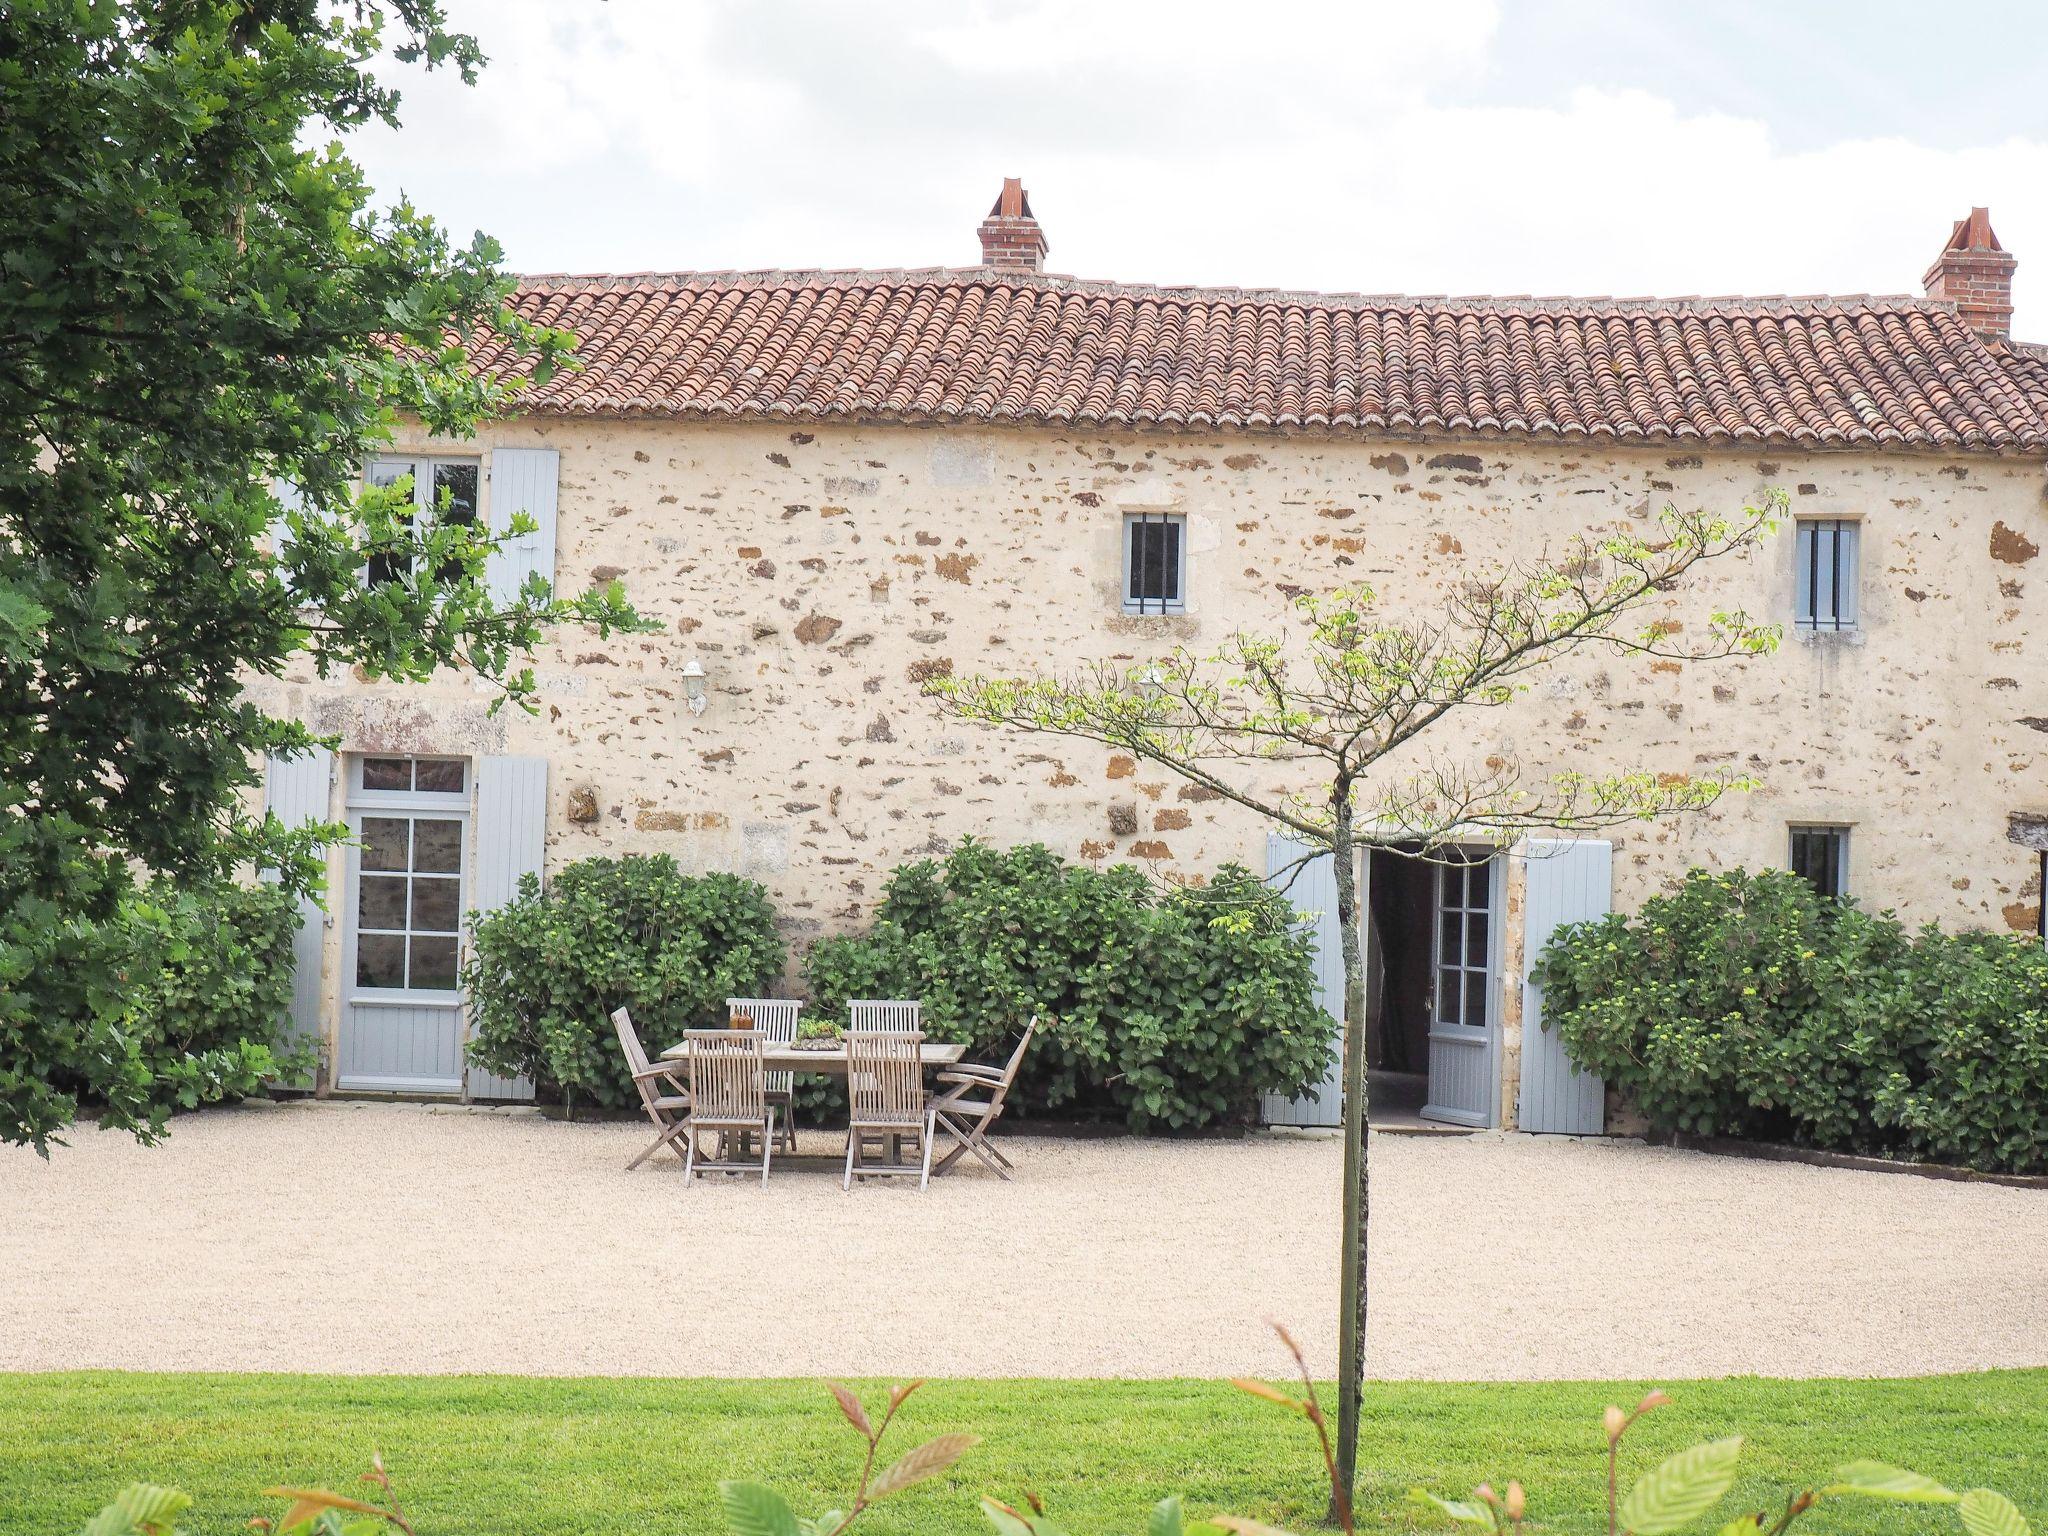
(1475, 999)
(437, 845)
(389, 471)
(1169, 561)
(387, 773)
(1449, 1008)
(1475, 940)
(433, 965)
(380, 902)
(455, 493)
(454, 502)
(436, 905)
(380, 960)
(1451, 929)
(384, 842)
(439, 776)
(1477, 879)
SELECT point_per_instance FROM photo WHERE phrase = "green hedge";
(198, 987)
(1745, 1005)
(1174, 1009)
(546, 970)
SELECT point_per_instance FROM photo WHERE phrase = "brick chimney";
(1011, 240)
(1974, 272)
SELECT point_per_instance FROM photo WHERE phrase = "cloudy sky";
(1459, 146)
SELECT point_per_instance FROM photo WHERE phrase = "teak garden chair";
(729, 1098)
(968, 1120)
(896, 1014)
(662, 1093)
(776, 1019)
(887, 1102)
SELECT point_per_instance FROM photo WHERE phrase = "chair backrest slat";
(893, 1013)
(885, 1076)
(775, 1018)
(1012, 1067)
(727, 1084)
(636, 1054)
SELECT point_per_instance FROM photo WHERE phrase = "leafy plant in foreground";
(143, 1509)
(754, 1510)
(1683, 1489)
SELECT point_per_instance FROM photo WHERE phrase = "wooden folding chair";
(728, 1099)
(775, 1018)
(662, 1093)
(887, 1103)
(894, 1013)
(966, 1119)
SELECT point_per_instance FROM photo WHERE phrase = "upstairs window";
(1827, 576)
(1820, 856)
(443, 490)
(1155, 562)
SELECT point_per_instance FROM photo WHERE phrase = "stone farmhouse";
(831, 486)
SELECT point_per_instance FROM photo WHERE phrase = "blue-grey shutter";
(511, 840)
(522, 480)
(1569, 881)
(1312, 888)
(296, 790)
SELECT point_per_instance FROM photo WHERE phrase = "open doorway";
(1432, 982)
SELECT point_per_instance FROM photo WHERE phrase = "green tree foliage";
(546, 970)
(1746, 1005)
(1173, 1009)
(201, 985)
(200, 300)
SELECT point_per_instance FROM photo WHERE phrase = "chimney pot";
(1974, 272)
(1011, 240)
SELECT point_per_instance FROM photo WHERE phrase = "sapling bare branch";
(1318, 727)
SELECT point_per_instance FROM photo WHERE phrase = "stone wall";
(819, 574)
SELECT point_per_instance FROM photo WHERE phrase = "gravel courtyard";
(378, 1238)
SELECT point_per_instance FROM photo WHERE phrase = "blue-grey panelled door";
(1567, 882)
(1464, 1024)
(1313, 890)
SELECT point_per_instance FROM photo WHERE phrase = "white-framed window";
(1820, 856)
(407, 885)
(443, 490)
(1826, 551)
(1155, 562)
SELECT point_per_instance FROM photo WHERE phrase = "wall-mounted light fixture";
(1151, 684)
(693, 685)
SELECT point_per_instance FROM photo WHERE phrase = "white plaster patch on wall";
(961, 461)
(764, 848)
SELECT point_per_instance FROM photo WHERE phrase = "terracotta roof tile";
(978, 345)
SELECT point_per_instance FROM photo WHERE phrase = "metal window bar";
(1153, 560)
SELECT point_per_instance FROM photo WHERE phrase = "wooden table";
(932, 1055)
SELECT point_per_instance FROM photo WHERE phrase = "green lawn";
(528, 1455)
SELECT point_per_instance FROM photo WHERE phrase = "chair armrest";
(667, 1069)
(974, 1071)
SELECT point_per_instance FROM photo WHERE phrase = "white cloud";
(1347, 146)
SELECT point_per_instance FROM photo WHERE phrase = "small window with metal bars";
(1827, 576)
(1820, 856)
(1155, 562)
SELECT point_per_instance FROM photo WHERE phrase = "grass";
(537, 1455)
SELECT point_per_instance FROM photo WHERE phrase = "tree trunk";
(1352, 1286)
